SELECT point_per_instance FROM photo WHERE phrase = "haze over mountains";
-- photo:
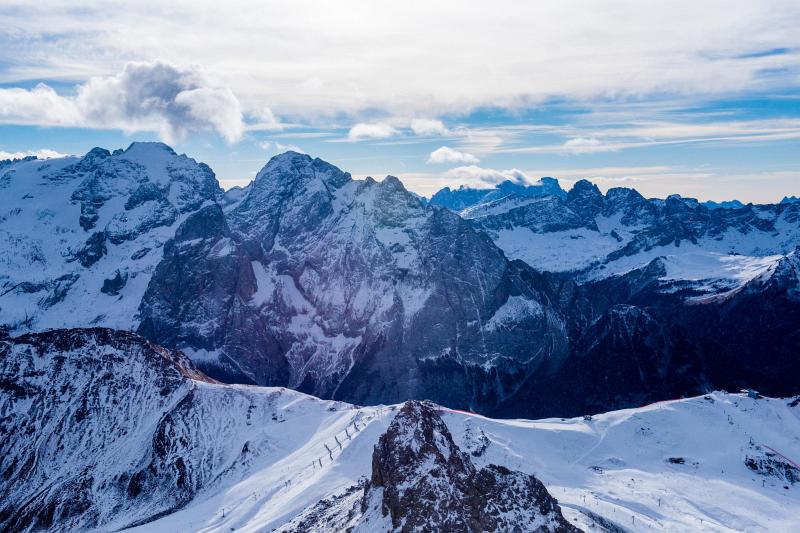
(514, 301)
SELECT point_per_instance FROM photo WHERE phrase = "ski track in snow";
(614, 465)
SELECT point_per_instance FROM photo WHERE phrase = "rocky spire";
(427, 482)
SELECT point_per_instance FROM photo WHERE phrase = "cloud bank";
(428, 127)
(155, 96)
(476, 176)
(448, 155)
(43, 153)
(380, 130)
(328, 58)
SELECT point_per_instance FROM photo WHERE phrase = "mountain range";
(520, 300)
(312, 352)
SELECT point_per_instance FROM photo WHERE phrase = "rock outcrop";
(422, 481)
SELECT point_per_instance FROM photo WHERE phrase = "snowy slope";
(153, 441)
(616, 466)
(81, 236)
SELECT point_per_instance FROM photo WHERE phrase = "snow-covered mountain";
(102, 430)
(529, 301)
(599, 234)
(350, 289)
(81, 236)
(465, 197)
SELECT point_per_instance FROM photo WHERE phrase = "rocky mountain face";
(637, 336)
(611, 233)
(527, 301)
(91, 425)
(102, 430)
(465, 197)
(422, 481)
(349, 289)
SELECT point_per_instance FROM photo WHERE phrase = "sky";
(699, 98)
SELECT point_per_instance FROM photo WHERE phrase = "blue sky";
(701, 99)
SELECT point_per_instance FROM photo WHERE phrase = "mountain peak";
(97, 153)
(147, 148)
(287, 157)
(585, 199)
(393, 183)
(288, 170)
(584, 187)
(428, 481)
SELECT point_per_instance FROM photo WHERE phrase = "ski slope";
(671, 466)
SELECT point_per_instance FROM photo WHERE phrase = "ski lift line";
(459, 412)
(303, 475)
(770, 448)
(660, 402)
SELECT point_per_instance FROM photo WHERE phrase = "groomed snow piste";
(671, 466)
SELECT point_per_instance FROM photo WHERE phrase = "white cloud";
(448, 155)
(647, 134)
(279, 148)
(473, 175)
(366, 56)
(265, 119)
(583, 145)
(428, 127)
(44, 153)
(153, 96)
(40, 106)
(379, 130)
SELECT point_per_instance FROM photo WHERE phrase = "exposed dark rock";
(422, 481)
(348, 289)
(93, 250)
(81, 389)
(114, 285)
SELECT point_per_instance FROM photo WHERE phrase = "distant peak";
(296, 168)
(392, 183)
(584, 186)
(97, 153)
(290, 155)
(142, 147)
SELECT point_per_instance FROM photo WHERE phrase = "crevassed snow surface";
(671, 466)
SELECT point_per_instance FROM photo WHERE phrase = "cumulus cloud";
(428, 127)
(484, 177)
(40, 106)
(586, 145)
(154, 96)
(364, 131)
(448, 155)
(43, 153)
(265, 119)
(279, 148)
